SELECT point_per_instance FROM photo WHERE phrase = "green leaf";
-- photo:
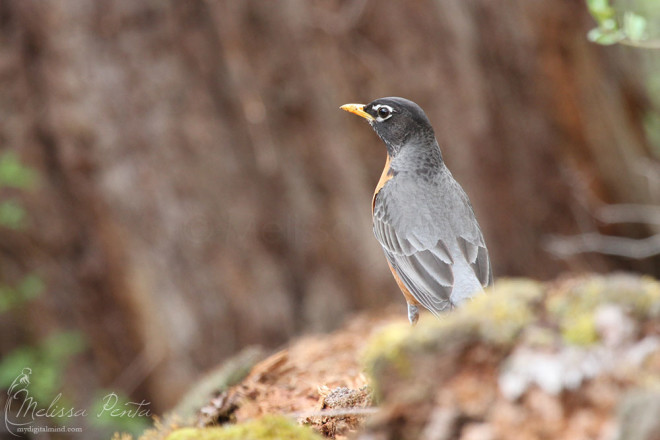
(601, 10)
(605, 37)
(30, 287)
(6, 298)
(47, 360)
(62, 345)
(12, 214)
(13, 363)
(634, 26)
(13, 173)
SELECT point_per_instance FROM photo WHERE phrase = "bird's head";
(397, 121)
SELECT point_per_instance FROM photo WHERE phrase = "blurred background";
(177, 181)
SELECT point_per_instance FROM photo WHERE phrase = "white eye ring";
(383, 112)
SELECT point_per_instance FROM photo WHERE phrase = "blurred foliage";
(128, 417)
(633, 23)
(13, 174)
(48, 360)
(29, 288)
(12, 214)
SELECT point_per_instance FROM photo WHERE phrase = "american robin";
(421, 216)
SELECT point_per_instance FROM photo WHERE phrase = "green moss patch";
(269, 427)
(496, 317)
(573, 306)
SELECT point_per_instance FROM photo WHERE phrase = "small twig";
(567, 246)
(630, 213)
(644, 44)
(338, 412)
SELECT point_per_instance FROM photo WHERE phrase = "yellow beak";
(357, 109)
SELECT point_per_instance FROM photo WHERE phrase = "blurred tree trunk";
(201, 190)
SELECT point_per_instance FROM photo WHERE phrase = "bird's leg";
(413, 314)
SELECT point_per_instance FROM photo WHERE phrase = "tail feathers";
(466, 283)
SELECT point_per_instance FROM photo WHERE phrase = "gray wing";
(423, 256)
(476, 254)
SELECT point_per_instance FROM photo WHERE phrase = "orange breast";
(385, 176)
(410, 299)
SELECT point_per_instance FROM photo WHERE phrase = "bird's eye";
(384, 112)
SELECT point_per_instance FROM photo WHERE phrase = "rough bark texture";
(200, 190)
